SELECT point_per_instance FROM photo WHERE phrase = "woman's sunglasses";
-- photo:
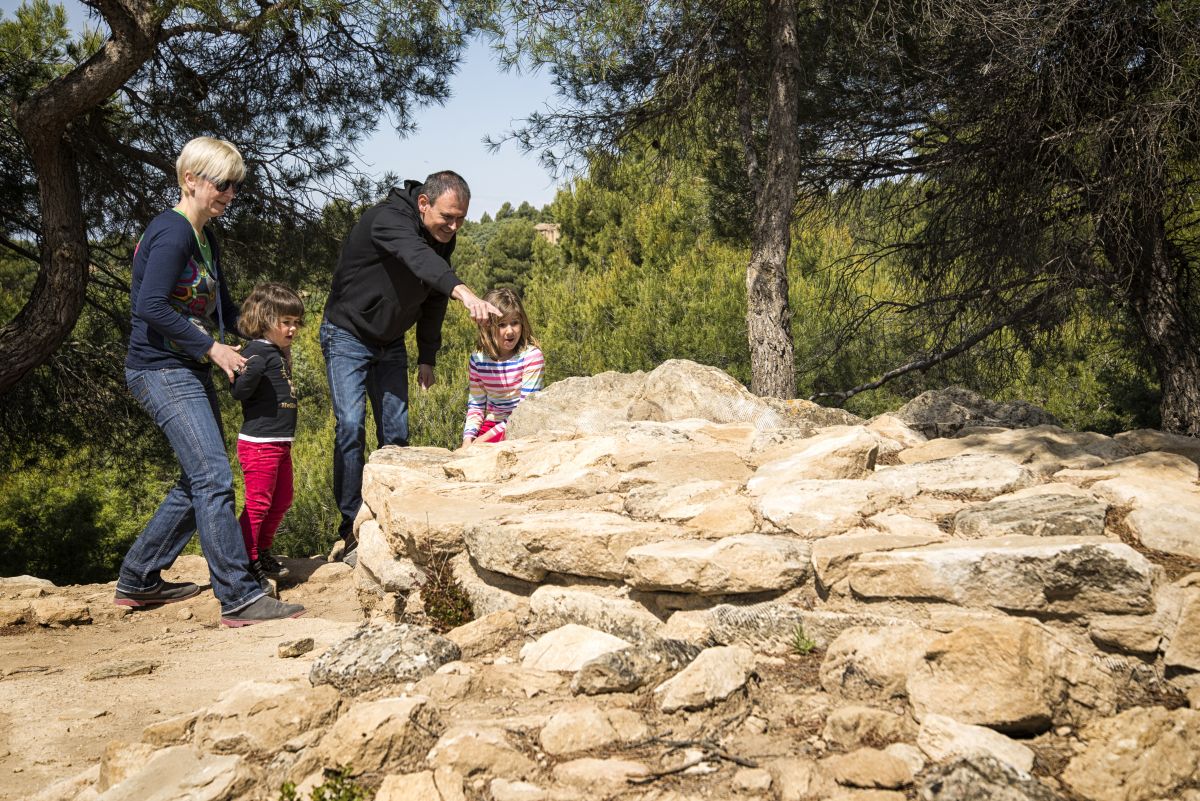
(221, 186)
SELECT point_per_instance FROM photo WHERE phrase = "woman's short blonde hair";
(213, 158)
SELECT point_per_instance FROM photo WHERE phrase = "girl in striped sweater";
(507, 367)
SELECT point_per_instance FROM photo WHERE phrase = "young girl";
(507, 368)
(270, 317)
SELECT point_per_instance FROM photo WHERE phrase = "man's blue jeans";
(357, 372)
(183, 404)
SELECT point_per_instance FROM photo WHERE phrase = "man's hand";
(228, 359)
(479, 309)
(425, 376)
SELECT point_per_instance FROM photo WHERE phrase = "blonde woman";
(182, 314)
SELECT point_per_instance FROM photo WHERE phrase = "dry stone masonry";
(682, 591)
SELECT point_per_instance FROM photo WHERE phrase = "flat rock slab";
(813, 508)
(712, 676)
(746, 563)
(1043, 449)
(1060, 575)
(531, 545)
(972, 476)
(181, 773)
(1034, 516)
(603, 609)
(944, 739)
(982, 777)
(378, 655)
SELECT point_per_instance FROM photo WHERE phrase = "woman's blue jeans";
(357, 372)
(183, 404)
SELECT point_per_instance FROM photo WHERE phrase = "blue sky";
(484, 101)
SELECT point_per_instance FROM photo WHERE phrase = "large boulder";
(1141, 754)
(945, 412)
(583, 405)
(1033, 681)
(748, 563)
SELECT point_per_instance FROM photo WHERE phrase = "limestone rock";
(294, 648)
(813, 508)
(944, 412)
(1141, 754)
(1044, 449)
(489, 591)
(395, 574)
(1034, 515)
(380, 655)
(180, 773)
(120, 760)
(1184, 650)
(610, 612)
(679, 389)
(532, 544)
(1033, 680)
(712, 506)
(1132, 634)
(605, 397)
(568, 648)
(486, 634)
(850, 727)
(590, 728)
(122, 669)
(627, 669)
(771, 627)
(869, 768)
(944, 739)
(506, 790)
(848, 453)
(982, 777)
(832, 556)
(746, 563)
(874, 663)
(714, 675)
(470, 750)
(977, 477)
(15, 612)
(59, 611)
(424, 524)
(255, 718)
(1148, 439)
(390, 735)
(799, 779)
(418, 786)
(1059, 575)
(598, 777)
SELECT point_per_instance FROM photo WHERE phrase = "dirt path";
(55, 722)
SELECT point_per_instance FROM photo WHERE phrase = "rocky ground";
(679, 591)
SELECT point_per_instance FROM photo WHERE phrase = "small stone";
(118, 670)
(294, 648)
(185, 613)
(752, 780)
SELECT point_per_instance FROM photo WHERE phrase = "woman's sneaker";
(167, 592)
(272, 566)
(264, 609)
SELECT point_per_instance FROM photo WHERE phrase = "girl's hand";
(467, 441)
(228, 359)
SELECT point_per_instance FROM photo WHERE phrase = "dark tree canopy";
(90, 127)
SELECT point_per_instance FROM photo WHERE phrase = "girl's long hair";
(509, 303)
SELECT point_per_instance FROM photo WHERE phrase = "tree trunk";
(43, 121)
(1160, 305)
(768, 317)
(57, 298)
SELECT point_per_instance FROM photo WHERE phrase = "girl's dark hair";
(266, 305)
(509, 303)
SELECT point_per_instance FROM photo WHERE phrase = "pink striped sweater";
(496, 387)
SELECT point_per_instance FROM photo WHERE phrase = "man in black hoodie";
(393, 273)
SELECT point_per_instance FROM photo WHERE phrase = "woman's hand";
(228, 359)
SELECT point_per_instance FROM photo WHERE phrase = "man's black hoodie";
(392, 274)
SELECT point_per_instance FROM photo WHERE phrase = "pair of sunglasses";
(221, 186)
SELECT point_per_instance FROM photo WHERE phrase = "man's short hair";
(439, 183)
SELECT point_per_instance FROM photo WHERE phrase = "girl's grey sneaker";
(350, 555)
(264, 609)
(272, 566)
(167, 592)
